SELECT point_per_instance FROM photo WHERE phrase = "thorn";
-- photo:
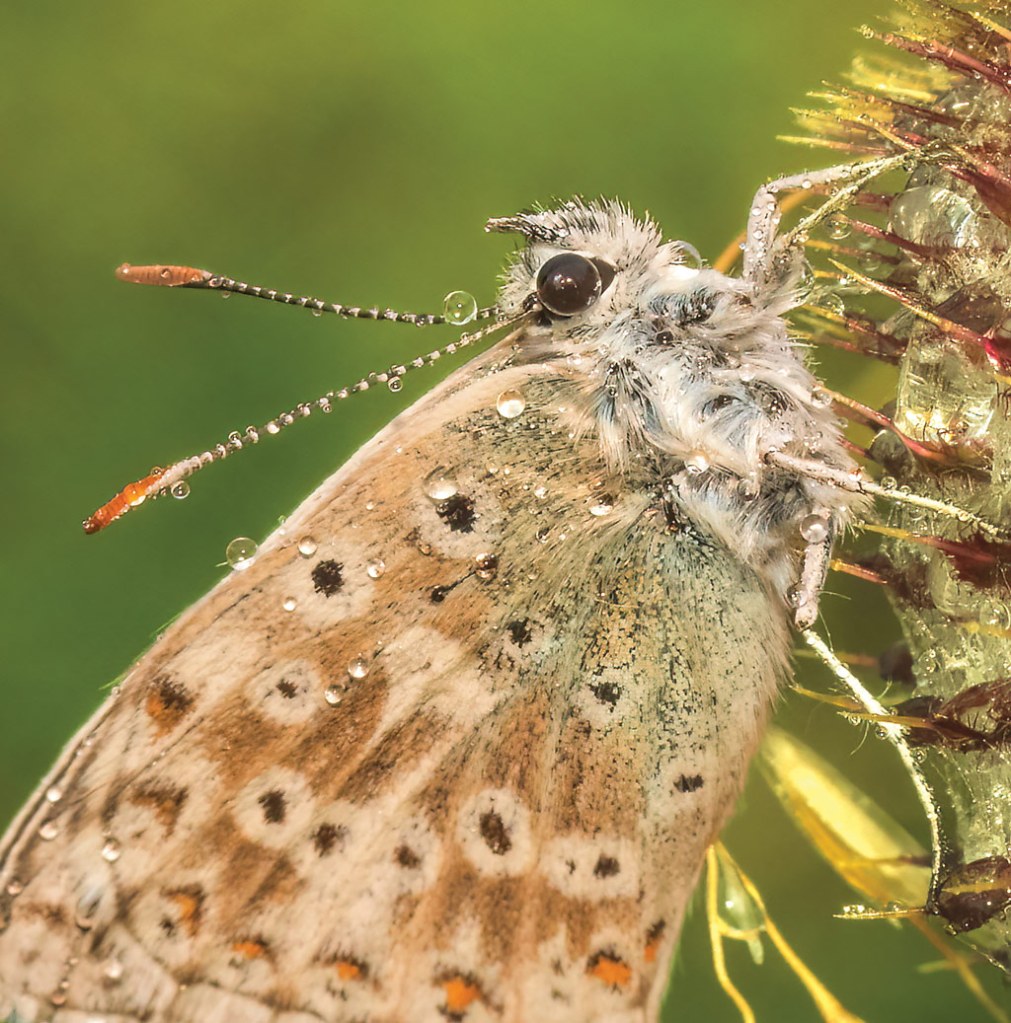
(992, 347)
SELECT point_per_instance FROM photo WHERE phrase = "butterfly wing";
(451, 748)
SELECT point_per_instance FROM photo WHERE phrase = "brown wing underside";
(460, 762)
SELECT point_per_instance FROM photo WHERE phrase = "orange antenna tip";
(129, 497)
(164, 275)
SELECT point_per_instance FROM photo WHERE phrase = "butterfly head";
(586, 265)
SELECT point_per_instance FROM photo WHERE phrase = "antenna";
(459, 307)
(173, 478)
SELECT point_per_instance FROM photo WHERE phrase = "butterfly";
(454, 744)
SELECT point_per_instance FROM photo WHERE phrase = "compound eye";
(568, 284)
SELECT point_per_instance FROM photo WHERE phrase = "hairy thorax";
(688, 379)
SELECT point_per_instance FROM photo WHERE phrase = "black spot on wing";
(328, 577)
(606, 866)
(274, 805)
(328, 836)
(495, 833)
(689, 783)
(608, 693)
(519, 631)
(406, 857)
(458, 513)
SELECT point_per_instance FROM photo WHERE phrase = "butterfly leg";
(856, 482)
(818, 531)
(768, 257)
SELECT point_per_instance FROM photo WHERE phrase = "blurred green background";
(354, 151)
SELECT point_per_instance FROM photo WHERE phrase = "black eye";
(568, 284)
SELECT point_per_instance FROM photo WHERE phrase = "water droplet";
(697, 463)
(289, 603)
(112, 971)
(929, 661)
(749, 488)
(603, 505)
(936, 216)
(180, 491)
(333, 694)
(542, 534)
(439, 487)
(888, 482)
(820, 398)
(689, 261)
(375, 568)
(48, 830)
(813, 440)
(395, 384)
(814, 528)
(738, 908)
(54, 794)
(510, 404)
(540, 493)
(307, 546)
(14, 888)
(358, 668)
(995, 614)
(486, 566)
(834, 303)
(806, 282)
(316, 311)
(838, 227)
(111, 851)
(240, 553)
(872, 261)
(459, 307)
(272, 427)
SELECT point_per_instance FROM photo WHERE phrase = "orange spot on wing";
(251, 949)
(609, 969)
(165, 802)
(653, 938)
(129, 497)
(166, 275)
(167, 703)
(461, 993)
(348, 969)
(189, 904)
